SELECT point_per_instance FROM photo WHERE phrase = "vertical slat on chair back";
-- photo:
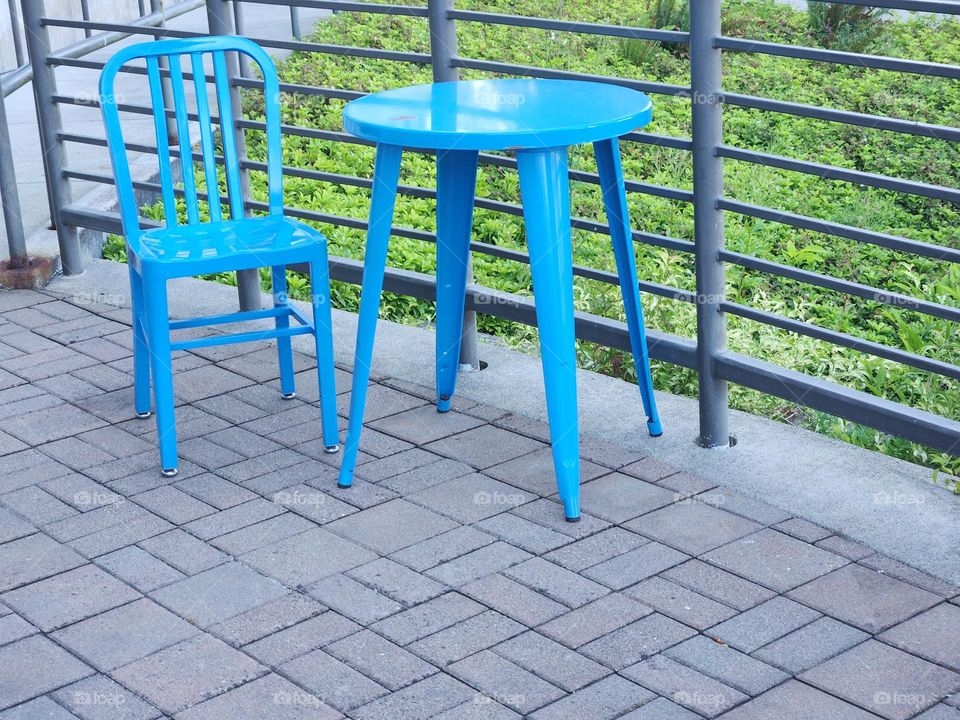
(195, 50)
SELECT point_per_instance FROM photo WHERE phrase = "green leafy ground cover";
(925, 99)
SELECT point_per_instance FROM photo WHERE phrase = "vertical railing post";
(707, 122)
(443, 48)
(50, 125)
(238, 28)
(165, 88)
(295, 22)
(9, 196)
(15, 29)
(220, 22)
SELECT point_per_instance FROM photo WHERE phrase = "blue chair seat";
(248, 240)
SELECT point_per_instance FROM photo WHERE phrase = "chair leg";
(618, 217)
(456, 185)
(323, 337)
(288, 388)
(386, 176)
(545, 191)
(141, 352)
(158, 333)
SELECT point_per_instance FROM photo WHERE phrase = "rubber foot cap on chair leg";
(169, 473)
(654, 428)
(572, 519)
(144, 415)
(341, 486)
(331, 449)
(288, 396)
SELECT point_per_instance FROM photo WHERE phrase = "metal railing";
(708, 355)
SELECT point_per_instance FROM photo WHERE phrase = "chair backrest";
(194, 49)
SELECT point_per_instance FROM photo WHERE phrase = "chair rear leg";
(158, 334)
(288, 389)
(323, 336)
(141, 351)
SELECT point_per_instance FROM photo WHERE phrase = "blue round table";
(537, 119)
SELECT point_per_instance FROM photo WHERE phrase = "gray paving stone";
(397, 581)
(692, 527)
(125, 634)
(649, 469)
(803, 530)
(381, 660)
(523, 533)
(75, 453)
(353, 599)
(480, 708)
(685, 485)
(660, 709)
(33, 558)
(301, 638)
(13, 527)
(592, 621)
(243, 442)
(391, 526)
(339, 685)
(534, 472)
(95, 520)
(902, 571)
(763, 624)
(685, 686)
(415, 479)
(471, 498)
(42, 708)
(940, 712)
(487, 560)
(727, 665)
(98, 697)
(551, 661)
(634, 642)
(71, 596)
(307, 557)
(215, 491)
(113, 538)
(402, 463)
(864, 598)
(313, 504)
(718, 584)
(465, 638)
(254, 467)
(423, 424)
(810, 645)
(484, 446)
(796, 701)
(263, 533)
(437, 693)
(271, 695)
(442, 548)
(188, 673)
(215, 595)
(604, 700)
(924, 635)
(184, 552)
(775, 560)
(174, 505)
(505, 682)
(233, 518)
(206, 381)
(52, 423)
(514, 599)
(680, 603)
(842, 546)
(13, 627)
(556, 582)
(884, 680)
(266, 619)
(430, 617)
(37, 506)
(361, 494)
(28, 467)
(635, 565)
(748, 507)
(80, 492)
(618, 497)
(549, 513)
(33, 666)
(606, 544)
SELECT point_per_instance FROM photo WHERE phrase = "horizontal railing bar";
(884, 415)
(842, 339)
(586, 28)
(345, 6)
(893, 299)
(891, 242)
(294, 88)
(542, 72)
(831, 172)
(875, 122)
(877, 62)
(123, 107)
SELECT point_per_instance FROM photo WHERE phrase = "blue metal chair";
(220, 245)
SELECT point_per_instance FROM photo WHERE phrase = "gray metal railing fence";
(708, 355)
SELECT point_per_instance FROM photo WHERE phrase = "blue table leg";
(618, 217)
(386, 177)
(456, 185)
(278, 276)
(141, 351)
(546, 211)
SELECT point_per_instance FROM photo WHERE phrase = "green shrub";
(852, 28)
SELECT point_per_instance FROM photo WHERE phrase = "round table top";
(498, 114)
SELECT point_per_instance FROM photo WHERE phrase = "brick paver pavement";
(445, 584)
